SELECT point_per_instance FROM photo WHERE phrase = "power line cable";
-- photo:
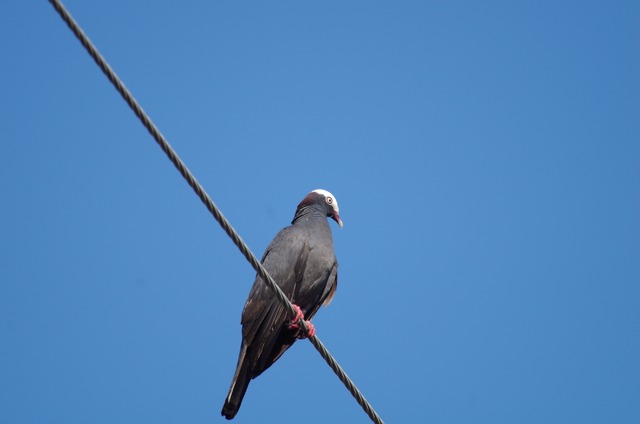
(210, 205)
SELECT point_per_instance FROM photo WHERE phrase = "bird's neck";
(309, 214)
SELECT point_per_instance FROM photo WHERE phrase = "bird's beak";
(336, 218)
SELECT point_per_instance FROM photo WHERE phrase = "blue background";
(486, 157)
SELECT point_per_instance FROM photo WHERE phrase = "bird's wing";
(263, 315)
(332, 287)
(311, 293)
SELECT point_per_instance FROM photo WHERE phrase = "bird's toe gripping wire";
(311, 329)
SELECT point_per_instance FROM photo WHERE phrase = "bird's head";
(326, 200)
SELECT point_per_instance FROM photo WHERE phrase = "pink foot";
(311, 329)
(299, 315)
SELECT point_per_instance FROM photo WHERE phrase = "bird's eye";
(329, 200)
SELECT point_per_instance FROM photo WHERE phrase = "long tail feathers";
(238, 388)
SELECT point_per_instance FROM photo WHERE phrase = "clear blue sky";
(486, 156)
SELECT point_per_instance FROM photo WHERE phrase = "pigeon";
(302, 262)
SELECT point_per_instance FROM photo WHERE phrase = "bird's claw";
(299, 315)
(311, 329)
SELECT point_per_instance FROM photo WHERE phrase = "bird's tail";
(238, 387)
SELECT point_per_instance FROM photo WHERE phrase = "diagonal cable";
(210, 205)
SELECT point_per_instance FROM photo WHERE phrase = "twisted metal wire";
(210, 205)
